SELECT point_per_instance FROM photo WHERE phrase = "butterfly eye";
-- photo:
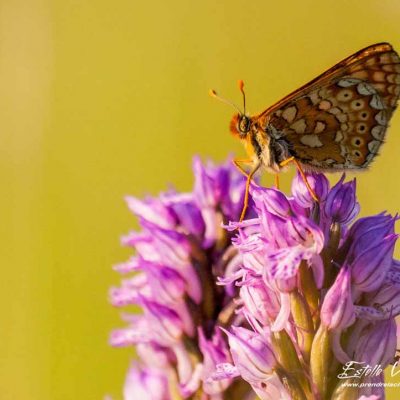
(244, 124)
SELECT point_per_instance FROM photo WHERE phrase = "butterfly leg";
(287, 161)
(302, 174)
(246, 194)
(277, 181)
(237, 163)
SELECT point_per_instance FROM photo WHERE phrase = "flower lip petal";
(224, 371)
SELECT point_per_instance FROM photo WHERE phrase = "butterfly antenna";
(241, 88)
(214, 94)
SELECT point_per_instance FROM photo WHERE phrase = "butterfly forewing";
(339, 119)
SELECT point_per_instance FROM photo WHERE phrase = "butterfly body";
(264, 144)
(338, 121)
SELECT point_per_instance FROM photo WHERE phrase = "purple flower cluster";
(181, 250)
(275, 306)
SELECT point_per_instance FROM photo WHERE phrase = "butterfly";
(337, 121)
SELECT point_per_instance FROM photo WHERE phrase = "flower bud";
(367, 231)
(272, 199)
(341, 204)
(318, 183)
(252, 354)
(370, 266)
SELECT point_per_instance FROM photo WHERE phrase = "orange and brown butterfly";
(336, 122)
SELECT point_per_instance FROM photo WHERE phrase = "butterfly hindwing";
(339, 120)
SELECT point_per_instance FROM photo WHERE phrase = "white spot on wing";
(373, 146)
(380, 118)
(319, 127)
(346, 82)
(299, 126)
(341, 117)
(365, 89)
(376, 102)
(289, 113)
(335, 111)
(325, 105)
(339, 136)
(311, 141)
(378, 132)
(314, 97)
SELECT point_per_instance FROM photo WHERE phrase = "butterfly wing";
(339, 120)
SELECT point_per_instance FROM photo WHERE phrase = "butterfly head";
(240, 125)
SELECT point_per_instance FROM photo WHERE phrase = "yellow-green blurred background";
(100, 99)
